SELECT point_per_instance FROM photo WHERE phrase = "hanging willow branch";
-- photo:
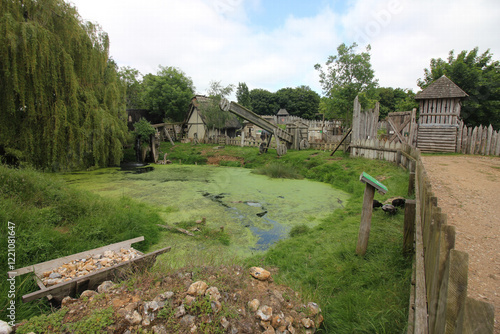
(61, 102)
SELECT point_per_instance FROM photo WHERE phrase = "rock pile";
(222, 300)
(90, 264)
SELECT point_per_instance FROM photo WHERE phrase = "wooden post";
(366, 219)
(409, 227)
(366, 214)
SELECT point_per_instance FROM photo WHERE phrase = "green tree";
(394, 99)
(264, 102)
(346, 75)
(479, 76)
(215, 117)
(243, 95)
(143, 131)
(61, 101)
(134, 89)
(168, 93)
(301, 101)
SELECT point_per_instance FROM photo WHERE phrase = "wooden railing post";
(409, 228)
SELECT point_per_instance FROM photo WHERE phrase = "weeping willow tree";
(61, 101)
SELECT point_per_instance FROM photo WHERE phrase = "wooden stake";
(366, 218)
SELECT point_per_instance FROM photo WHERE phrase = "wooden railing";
(438, 301)
(479, 140)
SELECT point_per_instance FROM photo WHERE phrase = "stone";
(187, 320)
(88, 294)
(307, 323)
(264, 313)
(260, 273)
(313, 309)
(253, 305)
(213, 293)
(89, 267)
(159, 329)
(55, 275)
(109, 253)
(47, 273)
(151, 306)
(134, 318)
(269, 330)
(181, 311)
(146, 322)
(277, 321)
(224, 323)
(164, 296)
(278, 296)
(68, 301)
(197, 288)
(216, 306)
(105, 286)
(189, 300)
(291, 329)
(281, 330)
(5, 327)
(319, 320)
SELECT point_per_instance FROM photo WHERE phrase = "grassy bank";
(53, 220)
(357, 294)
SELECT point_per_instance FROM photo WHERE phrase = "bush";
(277, 170)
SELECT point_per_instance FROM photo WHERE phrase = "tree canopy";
(168, 93)
(300, 101)
(134, 88)
(479, 76)
(215, 117)
(61, 101)
(263, 102)
(346, 75)
(243, 95)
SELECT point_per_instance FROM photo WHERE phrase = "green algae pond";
(254, 210)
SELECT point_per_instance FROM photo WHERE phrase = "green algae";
(254, 210)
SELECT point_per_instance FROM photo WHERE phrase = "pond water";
(254, 210)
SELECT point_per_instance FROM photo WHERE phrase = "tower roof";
(440, 89)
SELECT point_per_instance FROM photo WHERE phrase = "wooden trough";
(87, 282)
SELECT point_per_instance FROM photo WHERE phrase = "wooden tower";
(440, 105)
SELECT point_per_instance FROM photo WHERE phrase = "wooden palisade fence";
(479, 140)
(438, 302)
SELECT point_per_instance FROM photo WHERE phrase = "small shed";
(199, 120)
(282, 116)
(440, 106)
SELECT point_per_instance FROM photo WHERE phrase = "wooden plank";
(409, 227)
(83, 281)
(47, 265)
(489, 136)
(411, 308)
(366, 217)
(453, 293)
(479, 317)
(421, 319)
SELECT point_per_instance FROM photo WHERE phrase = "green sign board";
(365, 178)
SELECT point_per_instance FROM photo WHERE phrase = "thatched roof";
(282, 112)
(202, 103)
(442, 88)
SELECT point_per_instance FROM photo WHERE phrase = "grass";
(357, 294)
(366, 294)
(53, 220)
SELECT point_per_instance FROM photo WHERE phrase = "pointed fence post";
(366, 215)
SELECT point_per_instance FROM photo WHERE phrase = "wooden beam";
(366, 218)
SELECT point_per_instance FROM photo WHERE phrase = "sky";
(274, 44)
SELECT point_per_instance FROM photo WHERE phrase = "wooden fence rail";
(438, 302)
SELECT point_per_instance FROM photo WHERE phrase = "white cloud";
(214, 39)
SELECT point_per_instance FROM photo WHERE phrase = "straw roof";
(282, 112)
(442, 88)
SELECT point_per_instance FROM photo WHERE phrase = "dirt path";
(468, 190)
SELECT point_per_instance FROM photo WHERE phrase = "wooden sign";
(365, 178)
(366, 214)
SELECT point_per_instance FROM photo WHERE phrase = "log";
(177, 229)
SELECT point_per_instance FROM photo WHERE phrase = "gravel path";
(468, 190)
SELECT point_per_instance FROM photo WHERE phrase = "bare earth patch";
(468, 190)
